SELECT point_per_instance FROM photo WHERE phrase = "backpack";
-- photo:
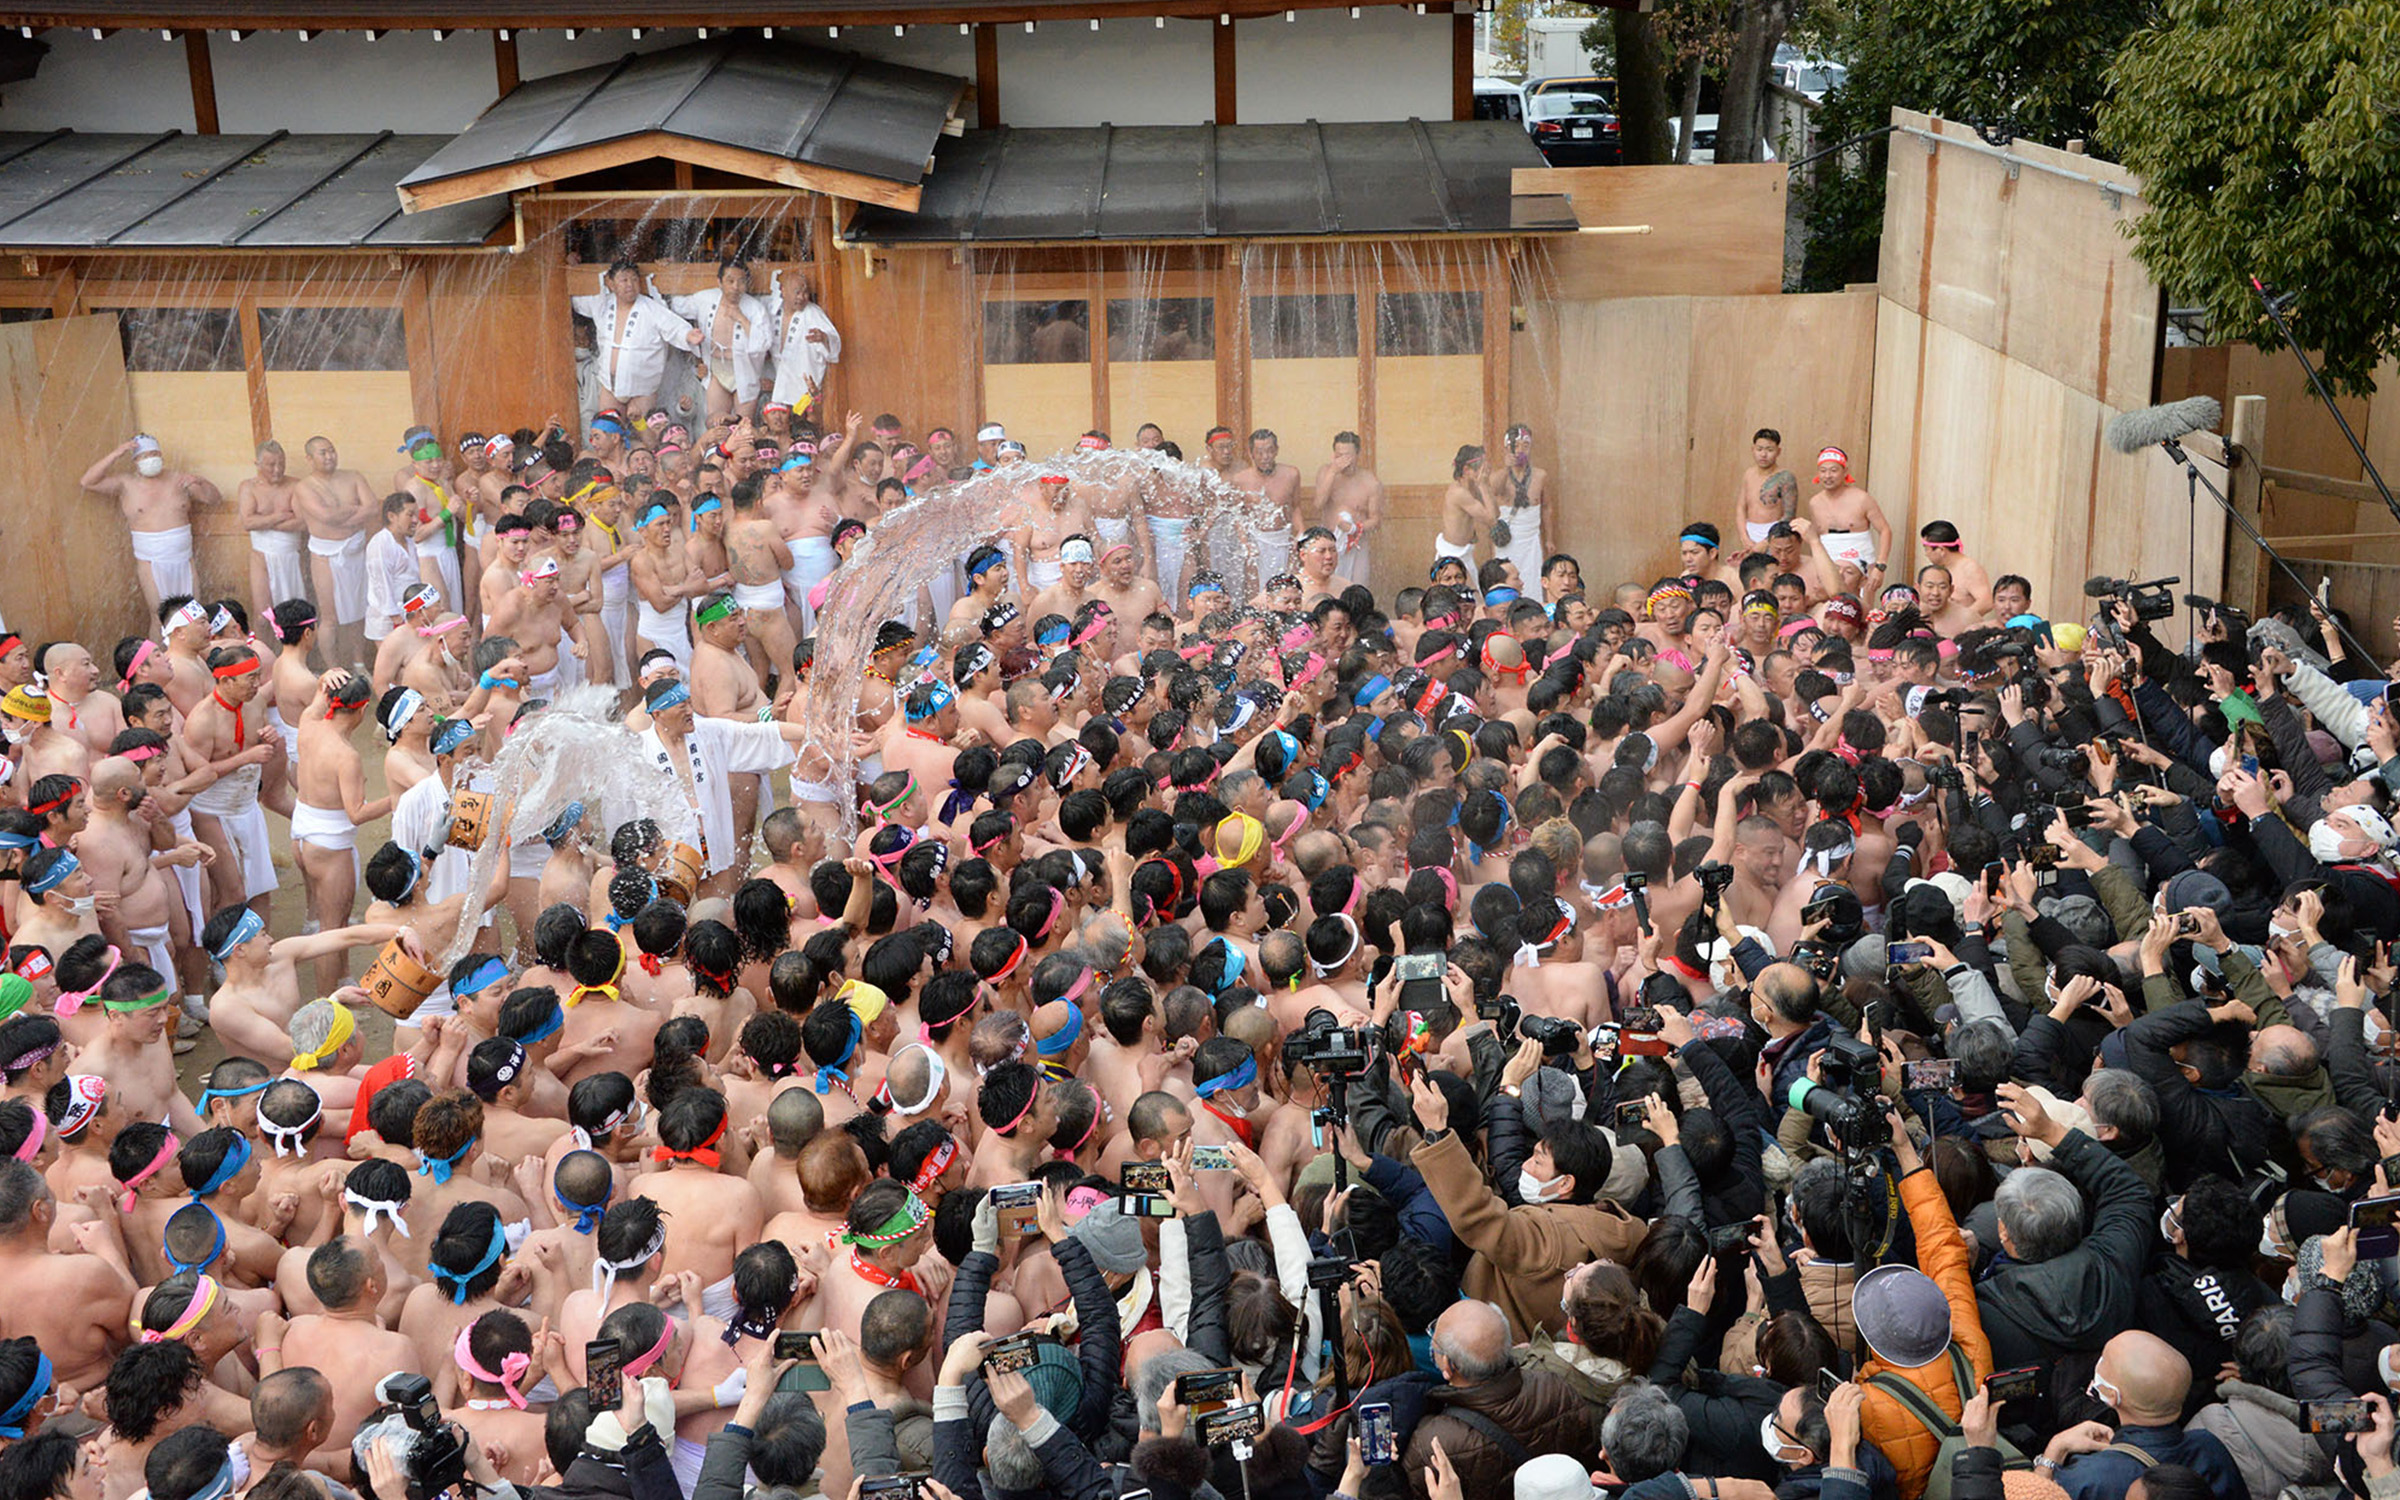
(1934, 1420)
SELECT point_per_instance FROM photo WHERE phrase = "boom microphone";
(2149, 427)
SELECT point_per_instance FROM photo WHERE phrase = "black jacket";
(2035, 1312)
(1740, 1192)
(1099, 1347)
(639, 1471)
(2224, 1131)
(1722, 1411)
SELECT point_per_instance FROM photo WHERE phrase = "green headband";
(886, 809)
(711, 613)
(899, 1226)
(162, 995)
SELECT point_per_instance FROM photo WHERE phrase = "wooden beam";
(657, 145)
(395, 15)
(1462, 66)
(204, 82)
(504, 60)
(987, 77)
(1227, 80)
(2245, 579)
(2319, 484)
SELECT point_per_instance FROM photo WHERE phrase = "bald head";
(1317, 851)
(911, 1077)
(2150, 1377)
(1471, 1339)
(292, 1409)
(793, 1119)
(113, 776)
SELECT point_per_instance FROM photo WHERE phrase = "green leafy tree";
(2267, 136)
(2035, 68)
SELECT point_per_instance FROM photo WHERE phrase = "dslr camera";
(1844, 1101)
(1715, 878)
(1327, 1049)
(437, 1456)
(1557, 1034)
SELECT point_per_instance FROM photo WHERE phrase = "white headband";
(371, 1207)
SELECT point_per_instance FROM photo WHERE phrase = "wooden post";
(204, 82)
(1462, 66)
(987, 76)
(504, 60)
(2245, 479)
(1222, 55)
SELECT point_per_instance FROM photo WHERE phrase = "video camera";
(437, 1457)
(1715, 877)
(1328, 1049)
(1844, 1101)
(2154, 600)
(2236, 619)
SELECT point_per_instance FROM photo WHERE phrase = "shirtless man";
(1939, 601)
(1128, 595)
(1278, 484)
(1755, 506)
(262, 975)
(339, 510)
(1076, 566)
(1320, 558)
(429, 652)
(93, 717)
(1466, 506)
(665, 583)
(1970, 583)
(1351, 505)
(269, 514)
(424, 479)
(332, 805)
(512, 539)
(132, 1052)
(227, 731)
(76, 1305)
(137, 899)
(710, 1215)
(725, 686)
(538, 619)
(347, 1343)
(157, 505)
(1852, 523)
(705, 545)
(757, 558)
(1049, 516)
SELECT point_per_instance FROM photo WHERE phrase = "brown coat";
(1522, 1254)
(1541, 1410)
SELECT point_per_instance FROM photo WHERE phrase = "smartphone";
(2080, 816)
(1633, 1113)
(2186, 925)
(1818, 911)
(1378, 1435)
(891, 1486)
(1233, 1424)
(2391, 1170)
(1992, 875)
(1016, 1203)
(1938, 1074)
(1147, 1205)
(2324, 589)
(1604, 1043)
(2376, 1213)
(1017, 1352)
(1209, 1389)
(1899, 954)
(2041, 856)
(1731, 1236)
(603, 1374)
(2336, 1416)
(801, 1346)
(1827, 1384)
(2250, 765)
(2013, 1385)
(1209, 1159)
(1147, 1177)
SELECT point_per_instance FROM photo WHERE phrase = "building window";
(332, 338)
(179, 340)
(24, 315)
(1412, 323)
(1304, 327)
(1162, 330)
(778, 235)
(1037, 333)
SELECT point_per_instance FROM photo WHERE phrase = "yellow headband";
(344, 1025)
(1238, 838)
(865, 1000)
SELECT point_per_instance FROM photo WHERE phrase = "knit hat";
(1902, 1315)
(2361, 1292)
(2190, 888)
(1114, 1239)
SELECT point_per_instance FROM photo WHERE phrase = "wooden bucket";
(679, 872)
(397, 983)
(470, 819)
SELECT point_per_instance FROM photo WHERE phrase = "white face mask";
(150, 465)
(1776, 1445)
(2278, 931)
(2291, 1286)
(78, 906)
(1532, 1189)
(16, 733)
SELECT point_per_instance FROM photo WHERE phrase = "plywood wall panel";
(1803, 365)
(63, 404)
(1711, 230)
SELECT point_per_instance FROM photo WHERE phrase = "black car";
(1574, 129)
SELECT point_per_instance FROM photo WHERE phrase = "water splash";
(576, 750)
(912, 544)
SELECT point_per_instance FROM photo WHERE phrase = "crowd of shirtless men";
(324, 1205)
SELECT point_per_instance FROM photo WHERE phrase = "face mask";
(2278, 931)
(1773, 1442)
(16, 733)
(150, 466)
(2291, 1286)
(2103, 1392)
(1532, 1189)
(2270, 1247)
(80, 906)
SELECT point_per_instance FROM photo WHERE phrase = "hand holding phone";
(603, 1374)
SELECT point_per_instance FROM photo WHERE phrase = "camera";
(1557, 1034)
(1946, 777)
(1504, 1016)
(1848, 1063)
(2153, 600)
(1329, 1050)
(1410, 968)
(1715, 878)
(437, 1458)
(1844, 1101)
(1819, 959)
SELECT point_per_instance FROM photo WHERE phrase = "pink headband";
(32, 1145)
(1879, 653)
(1083, 981)
(1358, 888)
(635, 1367)
(1030, 1101)
(141, 654)
(1945, 546)
(1113, 551)
(512, 1367)
(1442, 655)
(1449, 884)
(1058, 903)
(1310, 671)
(1102, 618)
(71, 1001)
(1298, 636)
(1793, 629)
(166, 1153)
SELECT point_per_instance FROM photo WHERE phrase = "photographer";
(1023, 1446)
(1099, 1347)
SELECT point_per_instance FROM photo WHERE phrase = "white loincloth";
(346, 560)
(169, 554)
(287, 575)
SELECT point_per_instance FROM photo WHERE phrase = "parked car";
(1574, 129)
(1499, 99)
(1813, 76)
(1704, 139)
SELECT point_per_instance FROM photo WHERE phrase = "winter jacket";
(2199, 1311)
(638, 1471)
(1722, 1411)
(1098, 1348)
(1068, 1469)
(2261, 1429)
(1741, 1193)
(2224, 1131)
(1541, 1411)
(1522, 1255)
(2035, 1312)
(1940, 1254)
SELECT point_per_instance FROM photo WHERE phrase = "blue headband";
(458, 1279)
(1235, 962)
(228, 1168)
(180, 1265)
(452, 734)
(439, 1168)
(587, 1215)
(551, 1025)
(1052, 635)
(1709, 542)
(1318, 790)
(1204, 586)
(416, 872)
(611, 424)
(247, 926)
(652, 512)
(1241, 1077)
(20, 840)
(259, 1087)
(564, 824)
(834, 1069)
(677, 693)
(997, 559)
(1501, 595)
(707, 504)
(1371, 689)
(52, 878)
(490, 972)
(12, 1421)
(938, 699)
(1060, 1040)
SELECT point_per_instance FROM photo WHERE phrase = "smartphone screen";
(1378, 1435)
(603, 1368)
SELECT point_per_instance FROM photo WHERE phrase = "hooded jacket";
(2036, 1311)
(2261, 1429)
(1523, 1254)
(1538, 1409)
(2199, 1310)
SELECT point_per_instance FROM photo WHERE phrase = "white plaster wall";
(1389, 64)
(132, 81)
(1129, 72)
(339, 81)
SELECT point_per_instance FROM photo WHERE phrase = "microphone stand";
(2274, 305)
(2195, 480)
